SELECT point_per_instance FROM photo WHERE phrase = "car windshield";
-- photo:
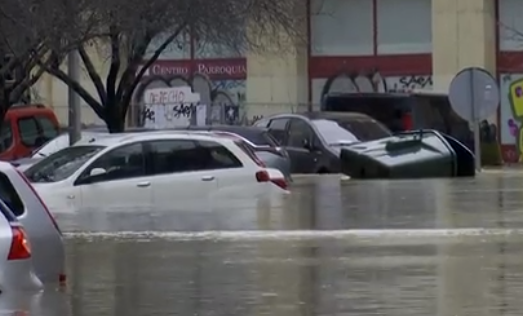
(350, 131)
(51, 146)
(62, 164)
(333, 133)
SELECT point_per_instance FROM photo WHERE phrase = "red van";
(25, 128)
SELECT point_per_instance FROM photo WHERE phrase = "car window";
(6, 136)
(299, 131)
(367, 130)
(173, 156)
(364, 129)
(28, 129)
(333, 133)
(278, 123)
(9, 196)
(260, 122)
(277, 128)
(49, 130)
(62, 164)
(120, 163)
(220, 156)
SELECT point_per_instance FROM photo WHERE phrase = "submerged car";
(313, 140)
(41, 228)
(62, 141)
(16, 266)
(152, 170)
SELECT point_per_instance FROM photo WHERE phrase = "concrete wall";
(463, 35)
(276, 83)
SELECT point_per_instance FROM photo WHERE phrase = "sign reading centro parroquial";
(474, 94)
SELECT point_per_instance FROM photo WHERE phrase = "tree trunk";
(113, 119)
(3, 112)
(4, 104)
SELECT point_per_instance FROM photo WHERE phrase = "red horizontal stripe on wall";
(387, 65)
(510, 62)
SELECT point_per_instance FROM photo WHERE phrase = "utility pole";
(75, 110)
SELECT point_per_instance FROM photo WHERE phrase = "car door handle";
(71, 197)
(207, 178)
(144, 184)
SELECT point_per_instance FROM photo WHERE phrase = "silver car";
(45, 237)
(16, 266)
(259, 140)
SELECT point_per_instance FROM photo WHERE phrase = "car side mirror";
(97, 172)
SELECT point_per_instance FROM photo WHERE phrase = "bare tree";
(29, 31)
(129, 27)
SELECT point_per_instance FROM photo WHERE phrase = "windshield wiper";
(38, 177)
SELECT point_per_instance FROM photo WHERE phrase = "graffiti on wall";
(223, 97)
(511, 116)
(355, 82)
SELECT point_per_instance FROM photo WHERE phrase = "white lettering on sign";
(169, 107)
(169, 70)
(221, 70)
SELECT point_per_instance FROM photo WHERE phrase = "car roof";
(83, 133)
(228, 128)
(28, 110)
(327, 115)
(254, 135)
(110, 140)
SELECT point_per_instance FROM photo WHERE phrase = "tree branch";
(112, 76)
(21, 86)
(132, 62)
(93, 74)
(129, 90)
(92, 102)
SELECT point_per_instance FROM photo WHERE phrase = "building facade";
(362, 45)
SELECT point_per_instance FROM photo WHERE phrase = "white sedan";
(156, 170)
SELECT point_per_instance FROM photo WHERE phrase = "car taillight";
(20, 248)
(22, 175)
(282, 183)
(263, 176)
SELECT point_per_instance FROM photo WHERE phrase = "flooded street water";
(424, 247)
